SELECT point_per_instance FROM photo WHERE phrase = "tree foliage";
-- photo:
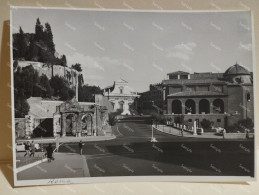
(206, 124)
(86, 93)
(77, 67)
(38, 46)
(61, 88)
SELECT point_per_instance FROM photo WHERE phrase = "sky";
(142, 47)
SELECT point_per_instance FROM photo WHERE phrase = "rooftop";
(237, 70)
(196, 93)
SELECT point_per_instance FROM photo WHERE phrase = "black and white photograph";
(103, 95)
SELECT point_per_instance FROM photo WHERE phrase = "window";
(121, 90)
(190, 88)
(218, 120)
(173, 77)
(183, 76)
(203, 88)
(190, 120)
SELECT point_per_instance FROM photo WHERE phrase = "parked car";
(20, 147)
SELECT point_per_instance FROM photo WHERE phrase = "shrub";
(206, 124)
(241, 126)
(179, 119)
(158, 118)
(112, 117)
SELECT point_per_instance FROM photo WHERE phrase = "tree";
(21, 107)
(77, 67)
(21, 46)
(86, 93)
(63, 61)
(206, 124)
(15, 64)
(38, 30)
(48, 38)
(46, 90)
(61, 88)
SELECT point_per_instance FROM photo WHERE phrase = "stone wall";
(20, 127)
(219, 120)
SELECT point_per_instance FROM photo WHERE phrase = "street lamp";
(153, 139)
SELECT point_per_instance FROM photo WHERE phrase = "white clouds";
(179, 55)
(93, 68)
(182, 51)
(89, 62)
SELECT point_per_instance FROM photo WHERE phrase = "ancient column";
(195, 127)
(63, 127)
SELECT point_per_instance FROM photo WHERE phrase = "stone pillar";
(76, 86)
(183, 107)
(56, 124)
(211, 107)
(29, 125)
(195, 127)
(63, 127)
(197, 111)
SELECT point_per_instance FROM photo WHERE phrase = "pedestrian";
(27, 149)
(32, 149)
(49, 150)
(182, 131)
(81, 147)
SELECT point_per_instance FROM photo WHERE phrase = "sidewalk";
(177, 132)
(69, 139)
(65, 165)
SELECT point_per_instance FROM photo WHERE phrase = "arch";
(190, 106)
(218, 106)
(87, 123)
(177, 107)
(204, 106)
(69, 123)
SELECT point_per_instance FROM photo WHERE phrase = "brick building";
(223, 98)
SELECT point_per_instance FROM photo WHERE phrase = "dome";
(237, 70)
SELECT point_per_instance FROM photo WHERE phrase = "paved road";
(131, 153)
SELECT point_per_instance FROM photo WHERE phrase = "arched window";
(218, 106)
(177, 107)
(190, 107)
(204, 106)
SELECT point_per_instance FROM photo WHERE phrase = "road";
(132, 154)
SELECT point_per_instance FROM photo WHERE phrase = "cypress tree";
(38, 30)
(21, 44)
(49, 39)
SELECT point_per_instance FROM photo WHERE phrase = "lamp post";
(153, 139)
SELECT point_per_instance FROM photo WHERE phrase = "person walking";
(49, 150)
(32, 149)
(81, 147)
(27, 149)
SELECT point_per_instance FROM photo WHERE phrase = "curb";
(85, 167)
(30, 165)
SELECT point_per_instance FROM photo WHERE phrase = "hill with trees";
(40, 72)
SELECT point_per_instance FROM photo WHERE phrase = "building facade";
(48, 118)
(121, 97)
(222, 98)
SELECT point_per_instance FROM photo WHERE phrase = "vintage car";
(20, 147)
